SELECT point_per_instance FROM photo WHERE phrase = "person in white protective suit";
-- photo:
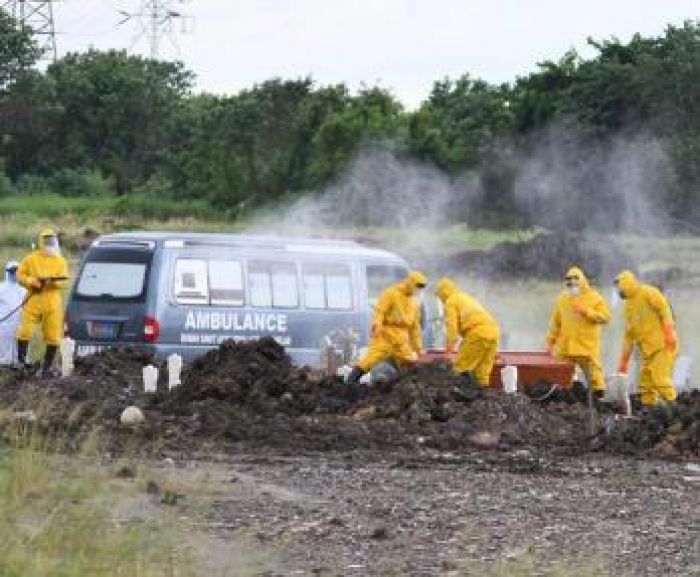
(12, 296)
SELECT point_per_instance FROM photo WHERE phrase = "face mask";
(615, 298)
(573, 290)
(51, 246)
(440, 308)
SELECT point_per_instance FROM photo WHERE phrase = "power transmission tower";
(37, 15)
(156, 20)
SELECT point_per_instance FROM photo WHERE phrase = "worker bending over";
(11, 297)
(466, 318)
(396, 333)
(43, 273)
(575, 327)
(650, 326)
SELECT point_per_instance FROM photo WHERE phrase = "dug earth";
(289, 472)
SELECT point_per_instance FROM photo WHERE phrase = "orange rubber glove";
(670, 337)
(36, 284)
(624, 365)
(550, 347)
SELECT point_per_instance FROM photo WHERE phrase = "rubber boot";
(470, 391)
(22, 350)
(355, 376)
(47, 368)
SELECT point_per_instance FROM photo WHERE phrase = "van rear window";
(110, 274)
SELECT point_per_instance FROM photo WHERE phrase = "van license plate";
(101, 330)
(87, 350)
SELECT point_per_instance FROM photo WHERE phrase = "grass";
(56, 519)
(52, 206)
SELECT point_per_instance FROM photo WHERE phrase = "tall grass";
(51, 206)
(57, 519)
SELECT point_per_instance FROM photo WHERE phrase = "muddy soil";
(546, 256)
(246, 396)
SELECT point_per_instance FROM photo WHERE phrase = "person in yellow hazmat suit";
(576, 325)
(465, 317)
(650, 326)
(44, 273)
(396, 333)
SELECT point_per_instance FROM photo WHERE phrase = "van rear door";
(108, 302)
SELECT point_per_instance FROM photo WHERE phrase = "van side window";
(380, 277)
(226, 283)
(191, 283)
(327, 287)
(338, 288)
(273, 284)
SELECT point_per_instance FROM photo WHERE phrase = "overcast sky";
(405, 45)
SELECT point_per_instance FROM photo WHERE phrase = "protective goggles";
(571, 281)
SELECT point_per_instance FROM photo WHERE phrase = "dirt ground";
(293, 473)
(435, 513)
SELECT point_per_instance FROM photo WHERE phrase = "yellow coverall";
(650, 326)
(396, 326)
(45, 304)
(465, 317)
(575, 328)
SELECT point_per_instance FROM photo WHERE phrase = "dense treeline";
(113, 124)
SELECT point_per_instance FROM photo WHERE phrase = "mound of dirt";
(250, 394)
(663, 432)
(546, 256)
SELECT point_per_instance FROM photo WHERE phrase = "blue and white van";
(186, 293)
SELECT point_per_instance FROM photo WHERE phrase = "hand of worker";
(376, 328)
(670, 337)
(550, 347)
(36, 283)
(624, 364)
(414, 356)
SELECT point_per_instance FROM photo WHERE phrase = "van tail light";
(151, 329)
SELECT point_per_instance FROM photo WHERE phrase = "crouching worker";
(650, 326)
(575, 328)
(43, 273)
(396, 327)
(11, 298)
(465, 317)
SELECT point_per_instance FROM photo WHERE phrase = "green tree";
(459, 123)
(18, 51)
(117, 114)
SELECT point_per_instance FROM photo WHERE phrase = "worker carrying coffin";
(396, 334)
(575, 327)
(650, 326)
(465, 317)
(44, 273)
(12, 295)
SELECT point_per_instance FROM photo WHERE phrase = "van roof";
(288, 243)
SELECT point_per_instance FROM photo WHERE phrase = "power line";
(156, 21)
(38, 16)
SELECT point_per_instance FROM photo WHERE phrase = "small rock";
(380, 533)
(365, 413)
(152, 488)
(126, 472)
(132, 416)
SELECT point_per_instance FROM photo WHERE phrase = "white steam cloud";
(559, 180)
